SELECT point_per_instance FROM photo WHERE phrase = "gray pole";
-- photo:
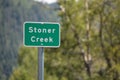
(40, 63)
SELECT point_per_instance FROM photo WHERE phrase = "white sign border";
(41, 23)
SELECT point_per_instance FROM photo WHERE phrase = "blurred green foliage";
(71, 60)
(13, 13)
(28, 71)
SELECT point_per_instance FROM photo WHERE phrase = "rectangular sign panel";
(41, 34)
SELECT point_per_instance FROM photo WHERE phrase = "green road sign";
(41, 34)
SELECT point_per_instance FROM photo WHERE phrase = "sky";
(47, 1)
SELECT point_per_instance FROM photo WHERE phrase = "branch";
(108, 60)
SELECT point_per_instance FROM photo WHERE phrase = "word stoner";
(43, 31)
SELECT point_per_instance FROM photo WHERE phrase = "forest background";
(90, 40)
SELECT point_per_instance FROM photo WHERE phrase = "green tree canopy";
(90, 42)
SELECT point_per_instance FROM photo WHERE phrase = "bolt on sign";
(41, 34)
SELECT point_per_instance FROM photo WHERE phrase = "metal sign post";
(41, 34)
(40, 63)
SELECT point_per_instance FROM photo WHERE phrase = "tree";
(13, 13)
(27, 68)
(90, 42)
(92, 25)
